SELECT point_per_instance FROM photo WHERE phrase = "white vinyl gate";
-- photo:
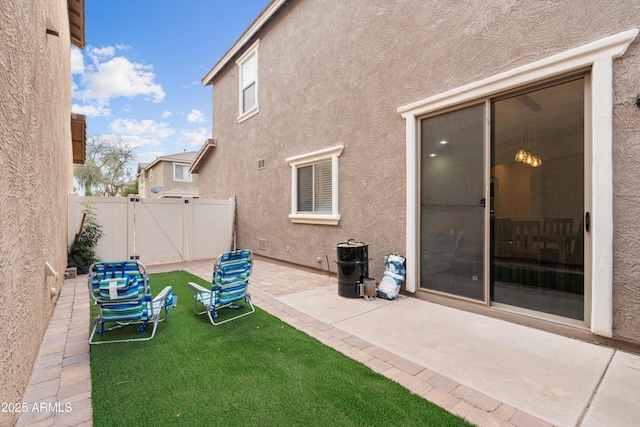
(157, 230)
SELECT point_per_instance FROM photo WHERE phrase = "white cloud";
(192, 84)
(195, 116)
(149, 156)
(112, 139)
(77, 61)
(140, 141)
(148, 128)
(108, 76)
(132, 140)
(74, 88)
(119, 77)
(193, 138)
(95, 110)
(166, 114)
(105, 76)
(98, 54)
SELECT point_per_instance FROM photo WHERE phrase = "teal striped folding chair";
(122, 294)
(229, 286)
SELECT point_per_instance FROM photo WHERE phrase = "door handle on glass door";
(587, 222)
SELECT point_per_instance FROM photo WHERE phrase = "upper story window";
(314, 187)
(181, 172)
(248, 86)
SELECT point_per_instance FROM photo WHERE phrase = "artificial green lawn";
(253, 371)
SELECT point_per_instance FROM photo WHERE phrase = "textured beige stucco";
(164, 173)
(35, 159)
(626, 194)
(335, 73)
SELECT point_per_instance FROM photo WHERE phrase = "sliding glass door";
(525, 210)
(537, 173)
(452, 202)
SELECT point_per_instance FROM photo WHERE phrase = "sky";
(138, 79)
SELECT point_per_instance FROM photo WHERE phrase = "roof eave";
(76, 10)
(167, 158)
(256, 26)
(208, 145)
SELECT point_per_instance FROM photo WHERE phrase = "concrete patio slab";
(326, 305)
(617, 402)
(544, 374)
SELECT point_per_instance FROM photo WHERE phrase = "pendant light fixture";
(523, 156)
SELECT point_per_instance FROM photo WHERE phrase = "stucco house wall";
(337, 75)
(36, 160)
(168, 177)
(626, 193)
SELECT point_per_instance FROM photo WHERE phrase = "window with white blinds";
(322, 187)
(249, 75)
(249, 97)
(314, 187)
(248, 82)
(305, 189)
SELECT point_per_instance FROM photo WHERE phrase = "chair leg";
(93, 330)
(195, 305)
(99, 326)
(167, 308)
(142, 327)
(153, 332)
(247, 299)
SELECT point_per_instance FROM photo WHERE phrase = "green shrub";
(81, 254)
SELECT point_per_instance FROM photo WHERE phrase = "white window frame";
(184, 165)
(250, 53)
(598, 58)
(309, 159)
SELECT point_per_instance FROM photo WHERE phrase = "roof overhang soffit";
(271, 9)
(207, 148)
(76, 22)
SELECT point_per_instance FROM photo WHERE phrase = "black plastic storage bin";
(353, 267)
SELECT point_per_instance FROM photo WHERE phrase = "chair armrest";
(197, 288)
(163, 294)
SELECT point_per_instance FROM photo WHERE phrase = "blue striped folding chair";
(229, 286)
(122, 294)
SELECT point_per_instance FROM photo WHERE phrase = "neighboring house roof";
(181, 192)
(207, 147)
(142, 166)
(264, 17)
(186, 157)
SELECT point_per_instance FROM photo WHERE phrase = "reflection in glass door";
(452, 203)
(537, 200)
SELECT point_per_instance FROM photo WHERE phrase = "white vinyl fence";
(157, 230)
